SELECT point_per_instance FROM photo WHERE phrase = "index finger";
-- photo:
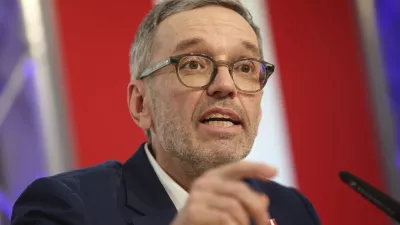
(243, 169)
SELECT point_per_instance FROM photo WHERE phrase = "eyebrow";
(185, 44)
(251, 47)
(188, 43)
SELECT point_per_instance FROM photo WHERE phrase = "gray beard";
(194, 158)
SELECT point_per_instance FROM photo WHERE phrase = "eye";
(194, 63)
(245, 67)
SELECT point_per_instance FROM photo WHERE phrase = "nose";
(222, 85)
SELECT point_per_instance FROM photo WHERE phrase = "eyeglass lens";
(196, 71)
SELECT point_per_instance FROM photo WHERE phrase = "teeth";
(220, 123)
(218, 115)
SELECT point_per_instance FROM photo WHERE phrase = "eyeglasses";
(199, 71)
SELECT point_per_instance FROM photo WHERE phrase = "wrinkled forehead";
(208, 29)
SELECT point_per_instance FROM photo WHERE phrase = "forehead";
(219, 28)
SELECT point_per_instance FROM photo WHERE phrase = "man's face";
(178, 112)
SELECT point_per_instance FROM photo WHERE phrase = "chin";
(226, 150)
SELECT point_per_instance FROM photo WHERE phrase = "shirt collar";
(177, 194)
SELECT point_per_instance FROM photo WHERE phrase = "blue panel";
(388, 20)
(21, 146)
(5, 204)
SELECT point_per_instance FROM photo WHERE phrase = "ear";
(138, 104)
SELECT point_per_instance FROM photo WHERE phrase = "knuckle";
(200, 184)
(192, 211)
(267, 200)
(260, 212)
(242, 188)
(233, 205)
(223, 218)
(196, 197)
(260, 208)
(264, 200)
(193, 197)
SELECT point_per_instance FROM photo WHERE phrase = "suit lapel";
(146, 198)
(147, 202)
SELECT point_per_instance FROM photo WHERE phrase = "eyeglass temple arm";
(152, 69)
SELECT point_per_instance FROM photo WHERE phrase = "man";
(197, 78)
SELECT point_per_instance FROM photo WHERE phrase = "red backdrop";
(95, 39)
(326, 101)
(322, 81)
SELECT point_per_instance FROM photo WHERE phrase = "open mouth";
(220, 120)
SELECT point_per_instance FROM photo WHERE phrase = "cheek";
(252, 106)
(180, 100)
(185, 103)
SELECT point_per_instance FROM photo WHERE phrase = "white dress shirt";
(176, 193)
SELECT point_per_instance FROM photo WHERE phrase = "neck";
(181, 172)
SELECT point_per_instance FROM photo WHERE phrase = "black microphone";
(385, 203)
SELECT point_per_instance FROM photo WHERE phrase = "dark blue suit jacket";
(116, 194)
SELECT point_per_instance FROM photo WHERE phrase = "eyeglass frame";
(175, 60)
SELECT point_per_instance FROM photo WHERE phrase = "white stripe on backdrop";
(272, 144)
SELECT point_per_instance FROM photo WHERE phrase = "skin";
(204, 159)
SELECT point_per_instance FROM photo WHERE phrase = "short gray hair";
(141, 50)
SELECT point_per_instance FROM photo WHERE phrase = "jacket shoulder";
(105, 174)
(71, 197)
